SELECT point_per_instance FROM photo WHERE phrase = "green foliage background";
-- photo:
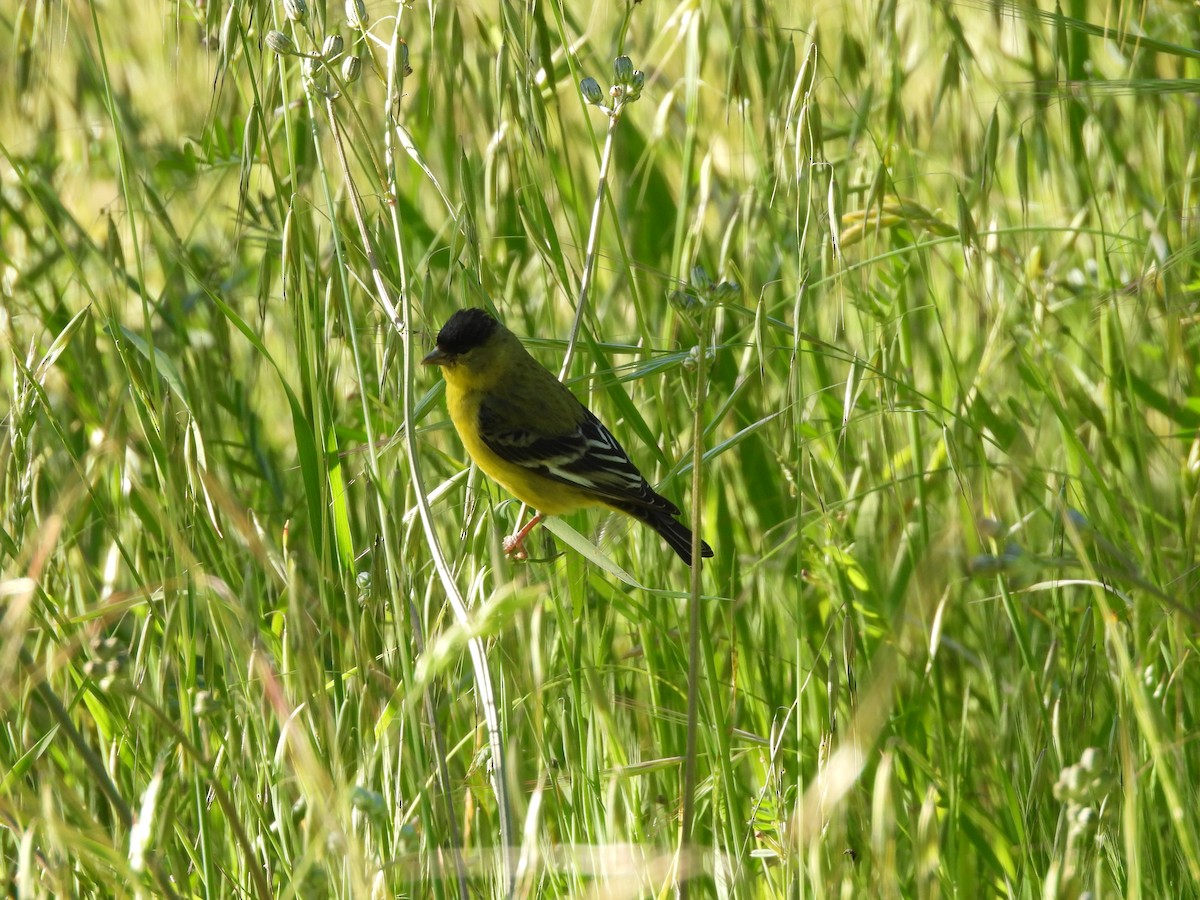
(252, 599)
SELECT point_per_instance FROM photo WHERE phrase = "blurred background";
(917, 283)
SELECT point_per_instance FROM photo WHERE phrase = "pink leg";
(513, 545)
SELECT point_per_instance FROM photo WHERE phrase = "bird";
(529, 433)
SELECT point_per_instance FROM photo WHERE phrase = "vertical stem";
(589, 259)
(694, 613)
(402, 318)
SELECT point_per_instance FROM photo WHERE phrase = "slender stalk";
(402, 319)
(439, 739)
(694, 614)
(589, 259)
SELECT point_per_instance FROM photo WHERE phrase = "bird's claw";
(514, 545)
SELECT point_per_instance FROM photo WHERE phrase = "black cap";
(465, 330)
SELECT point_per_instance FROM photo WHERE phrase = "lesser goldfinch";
(527, 431)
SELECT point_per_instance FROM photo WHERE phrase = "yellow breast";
(543, 494)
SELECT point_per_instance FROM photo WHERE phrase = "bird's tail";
(674, 532)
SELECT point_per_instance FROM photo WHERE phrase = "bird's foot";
(514, 545)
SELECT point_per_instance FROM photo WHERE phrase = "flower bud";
(281, 43)
(356, 13)
(622, 70)
(683, 301)
(332, 46)
(726, 291)
(636, 83)
(295, 10)
(316, 79)
(351, 66)
(590, 88)
(373, 803)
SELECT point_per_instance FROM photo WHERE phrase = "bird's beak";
(437, 357)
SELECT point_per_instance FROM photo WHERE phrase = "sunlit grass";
(950, 433)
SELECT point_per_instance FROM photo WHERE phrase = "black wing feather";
(588, 457)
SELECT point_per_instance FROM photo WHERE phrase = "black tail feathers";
(674, 532)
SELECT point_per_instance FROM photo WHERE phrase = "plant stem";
(694, 613)
(589, 258)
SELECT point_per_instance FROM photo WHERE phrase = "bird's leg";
(513, 545)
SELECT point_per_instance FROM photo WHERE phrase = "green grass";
(252, 599)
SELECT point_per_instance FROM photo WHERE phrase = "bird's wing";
(587, 457)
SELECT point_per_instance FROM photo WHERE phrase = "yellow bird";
(527, 431)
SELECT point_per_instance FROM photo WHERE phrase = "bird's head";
(462, 339)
